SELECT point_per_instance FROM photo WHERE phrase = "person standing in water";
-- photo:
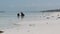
(22, 15)
(18, 15)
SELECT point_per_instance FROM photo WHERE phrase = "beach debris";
(1, 31)
(52, 16)
(58, 17)
(48, 18)
(31, 24)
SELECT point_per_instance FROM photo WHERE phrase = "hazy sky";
(28, 5)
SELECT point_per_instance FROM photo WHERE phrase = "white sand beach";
(29, 16)
(35, 25)
(34, 29)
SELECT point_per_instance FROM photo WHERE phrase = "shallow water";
(9, 20)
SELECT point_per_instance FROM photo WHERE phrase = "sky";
(28, 5)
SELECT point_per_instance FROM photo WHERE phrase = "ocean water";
(9, 19)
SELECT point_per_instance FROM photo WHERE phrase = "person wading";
(22, 14)
(18, 15)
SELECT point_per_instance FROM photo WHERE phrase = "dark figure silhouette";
(1, 32)
(18, 15)
(22, 15)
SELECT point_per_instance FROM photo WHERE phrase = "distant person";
(22, 15)
(18, 15)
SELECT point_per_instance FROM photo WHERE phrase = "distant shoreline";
(2, 11)
(56, 10)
